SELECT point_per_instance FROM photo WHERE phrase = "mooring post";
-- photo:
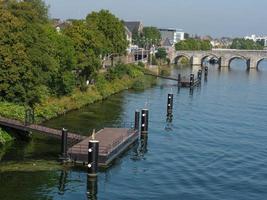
(136, 120)
(206, 71)
(93, 149)
(64, 143)
(179, 80)
(199, 75)
(144, 121)
(192, 80)
(169, 105)
(144, 141)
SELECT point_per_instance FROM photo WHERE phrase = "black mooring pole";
(136, 120)
(179, 80)
(93, 149)
(169, 105)
(199, 75)
(144, 121)
(64, 143)
(206, 71)
(192, 80)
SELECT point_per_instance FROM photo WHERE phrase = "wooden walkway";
(15, 124)
(183, 83)
(112, 142)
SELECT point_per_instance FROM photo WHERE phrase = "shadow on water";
(106, 113)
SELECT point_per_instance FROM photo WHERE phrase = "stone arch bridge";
(224, 56)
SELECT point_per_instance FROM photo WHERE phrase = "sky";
(233, 18)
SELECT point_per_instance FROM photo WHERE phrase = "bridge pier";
(223, 62)
(195, 61)
(252, 63)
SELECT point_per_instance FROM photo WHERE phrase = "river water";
(215, 147)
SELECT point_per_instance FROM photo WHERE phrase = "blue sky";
(204, 17)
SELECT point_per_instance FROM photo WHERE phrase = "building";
(172, 36)
(134, 26)
(129, 37)
(60, 25)
(256, 38)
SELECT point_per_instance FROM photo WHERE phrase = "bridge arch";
(259, 61)
(240, 57)
(182, 55)
(207, 56)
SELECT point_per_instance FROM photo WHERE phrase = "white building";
(171, 35)
(257, 38)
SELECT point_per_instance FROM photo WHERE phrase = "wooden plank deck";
(112, 142)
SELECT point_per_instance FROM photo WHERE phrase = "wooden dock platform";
(112, 142)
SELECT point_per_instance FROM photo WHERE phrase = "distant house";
(59, 24)
(134, 26)
(129, 37)
(166, 43)
(56, 21)
(171, 35)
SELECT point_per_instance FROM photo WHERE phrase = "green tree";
(161, 53)
(150, 36)
(241, 43)
(34, 58)
(21, 80)
(193, 45)
(62, 82)
(112, 28)
(89, 45)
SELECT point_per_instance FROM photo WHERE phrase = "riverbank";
(103, 88)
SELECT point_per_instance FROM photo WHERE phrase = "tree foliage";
(241, 43)
(193, 45)
(150, 36)
(89, 45)
(161, 53)
(37, 62)
(112, 29)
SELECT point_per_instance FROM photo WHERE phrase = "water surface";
(215, 148)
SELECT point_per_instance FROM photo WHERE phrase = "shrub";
(4, 137)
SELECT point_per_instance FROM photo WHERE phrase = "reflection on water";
(92, 188)
(62, 182)
(213, 148)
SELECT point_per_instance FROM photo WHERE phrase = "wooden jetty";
(112, 142)
(183, 82)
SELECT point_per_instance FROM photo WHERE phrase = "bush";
(4, 137)
(12, 111)
(54, 106)
(141, 64)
